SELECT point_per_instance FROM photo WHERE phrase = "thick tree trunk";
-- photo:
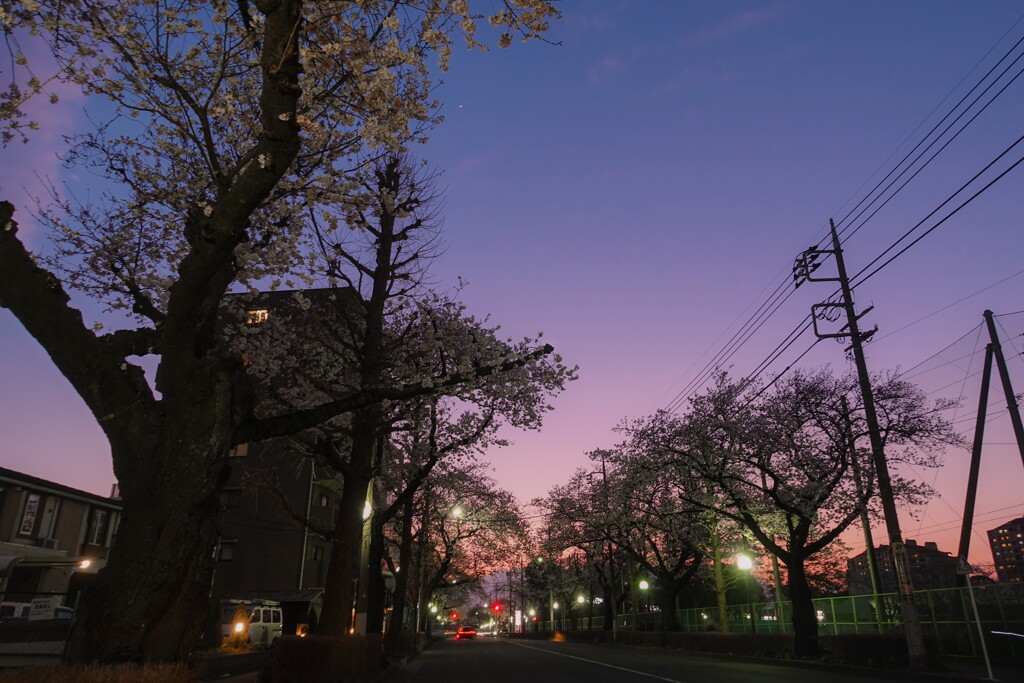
(805, 621)
(667, 593)
(151, 600)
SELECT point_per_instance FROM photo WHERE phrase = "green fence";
(946, 616)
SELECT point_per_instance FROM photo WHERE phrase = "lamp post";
(643, 586)
(744, 563)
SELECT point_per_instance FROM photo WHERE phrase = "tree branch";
(283, 425)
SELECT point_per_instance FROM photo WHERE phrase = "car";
(465, 632)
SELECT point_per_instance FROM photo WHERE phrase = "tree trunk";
(393, 638)
(151, 599)
(719, 578)
(375, 587)
(667, 593)
(343, 568)
(805, 621)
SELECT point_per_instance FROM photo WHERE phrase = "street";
(536, 661)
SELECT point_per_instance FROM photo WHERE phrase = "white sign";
(43, 608)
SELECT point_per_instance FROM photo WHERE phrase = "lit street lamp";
(643, 585)
(744, 563)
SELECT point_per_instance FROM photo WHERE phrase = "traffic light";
(497, 607)
(455, 616)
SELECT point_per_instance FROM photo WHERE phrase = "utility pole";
(972, 478)
(805, 265)
(869, 554)
(993, 350)
(1004, 375)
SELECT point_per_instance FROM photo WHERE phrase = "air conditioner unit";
(50, 543)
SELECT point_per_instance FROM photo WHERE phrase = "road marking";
(594, 661)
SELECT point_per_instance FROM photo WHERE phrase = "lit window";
(256, 316)
(239, 451)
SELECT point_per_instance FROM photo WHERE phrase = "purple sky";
(637, 192)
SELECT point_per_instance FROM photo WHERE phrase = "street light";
(746, 564)
(643, 585)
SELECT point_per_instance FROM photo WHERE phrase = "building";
(929, 568)
(278, 504)
(53, 538)
(1007, 543)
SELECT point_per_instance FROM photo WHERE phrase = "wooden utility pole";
(805, 265)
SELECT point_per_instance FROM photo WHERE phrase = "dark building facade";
(929, 568)
(1007, 543)
(277, 499)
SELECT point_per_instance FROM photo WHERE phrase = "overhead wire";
(846, 235)
(782, 293)
(858, 279)
(934, 109)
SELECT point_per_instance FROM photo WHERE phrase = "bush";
(872, 650)
(96, 673)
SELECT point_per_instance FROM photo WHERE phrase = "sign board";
(43, 608)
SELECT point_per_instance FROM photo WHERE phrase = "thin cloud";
(736, 24)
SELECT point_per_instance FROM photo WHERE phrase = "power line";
(780, 295)
(944, 219)
(939, 137)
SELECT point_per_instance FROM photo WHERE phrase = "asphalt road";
(534, 661)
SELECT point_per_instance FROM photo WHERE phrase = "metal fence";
(946, 616)
(35, 627)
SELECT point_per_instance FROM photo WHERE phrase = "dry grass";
(113, 673)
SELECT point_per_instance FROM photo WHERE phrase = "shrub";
(96, 673)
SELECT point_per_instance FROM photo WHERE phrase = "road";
(536, 661)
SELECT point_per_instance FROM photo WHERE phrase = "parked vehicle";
(15, 610)
(256, 622)
(23, 610)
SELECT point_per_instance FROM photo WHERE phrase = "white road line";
(594, 661)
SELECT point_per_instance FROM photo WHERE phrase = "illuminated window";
(256, 316)
(239, 451)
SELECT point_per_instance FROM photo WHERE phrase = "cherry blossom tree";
(781, 461)
(233, 123)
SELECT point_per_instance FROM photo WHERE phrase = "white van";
(251, 621)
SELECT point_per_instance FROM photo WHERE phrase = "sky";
(638, 190)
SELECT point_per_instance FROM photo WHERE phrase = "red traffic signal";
(497, 607)
(455, 616)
